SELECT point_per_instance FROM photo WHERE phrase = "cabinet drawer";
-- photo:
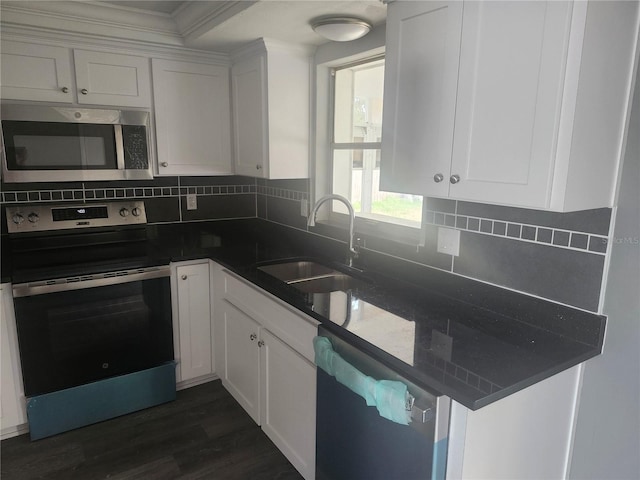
(295, 329)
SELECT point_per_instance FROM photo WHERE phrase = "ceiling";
(240, 22)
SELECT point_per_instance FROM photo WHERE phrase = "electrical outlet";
(192, 201)
(304, 208)
(449, 241)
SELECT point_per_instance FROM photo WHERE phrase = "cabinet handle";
(184, 277)
(253, 336)
(438, 177)
(84, 91)
(164, 164)
(261, 343)
(454, 179)
(65, 89)
(258, 167)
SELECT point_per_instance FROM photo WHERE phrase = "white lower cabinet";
(263, 358)
(288, 399)
(13, 415)
(193, 340)
(241, 365)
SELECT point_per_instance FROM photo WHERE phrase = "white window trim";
(328, 56)
(368, 218)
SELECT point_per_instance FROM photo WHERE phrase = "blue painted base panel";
(440, 450)
(94, 402)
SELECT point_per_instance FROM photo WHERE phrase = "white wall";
(607, 438)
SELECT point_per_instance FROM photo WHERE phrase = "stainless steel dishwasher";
(354, 442)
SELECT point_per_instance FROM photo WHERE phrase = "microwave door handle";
(117, 129)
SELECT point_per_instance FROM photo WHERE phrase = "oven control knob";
(33, 217)
(18, 219)
(124, 212)
(136, 212)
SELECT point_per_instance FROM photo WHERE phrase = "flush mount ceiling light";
(341, 29)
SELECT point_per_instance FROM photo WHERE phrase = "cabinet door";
(193, 120)
(250, 116)
(12, 402)
(36, 72)
(194, 321)
(112, 79)
(512, 64)
(241, 365)
(288, 414)
(421, 73)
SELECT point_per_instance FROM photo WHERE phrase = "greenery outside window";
(355, 149)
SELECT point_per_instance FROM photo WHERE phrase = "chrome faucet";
(311, 221)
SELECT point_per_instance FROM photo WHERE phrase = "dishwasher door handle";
(418, 413)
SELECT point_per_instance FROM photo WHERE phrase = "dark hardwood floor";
(204, 434)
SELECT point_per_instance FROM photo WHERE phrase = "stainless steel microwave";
(57, 144)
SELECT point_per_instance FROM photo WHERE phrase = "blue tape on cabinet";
(64, 410)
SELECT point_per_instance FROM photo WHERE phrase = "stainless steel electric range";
(93, 313)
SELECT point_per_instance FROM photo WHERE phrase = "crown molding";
(94, 19)
(182, 28)
(195, 19)
(265, 45)
(96, 42)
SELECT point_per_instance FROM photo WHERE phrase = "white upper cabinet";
(527, 108)
(36, 72)
(250, 116)
(421, 74)
(45, 73)
(270, 92)
(512, 64)
(112, 79)
(193, 118)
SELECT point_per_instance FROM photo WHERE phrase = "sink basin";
(332, 283)
(292, 271)
(311, 277)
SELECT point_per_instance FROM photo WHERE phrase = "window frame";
(366, 223)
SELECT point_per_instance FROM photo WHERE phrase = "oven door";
(76, 331)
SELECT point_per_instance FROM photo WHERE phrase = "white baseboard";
(192, 382)
(10, 432)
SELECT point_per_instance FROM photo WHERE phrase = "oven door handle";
(89, 281)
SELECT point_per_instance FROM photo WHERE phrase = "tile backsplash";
(165, 197)
(558, 256)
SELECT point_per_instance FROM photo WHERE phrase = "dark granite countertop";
(471, 341)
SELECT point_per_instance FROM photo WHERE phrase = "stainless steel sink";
(311, 277)
(292, 271)
(333, 283)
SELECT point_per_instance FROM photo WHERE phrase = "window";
(355, 150)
